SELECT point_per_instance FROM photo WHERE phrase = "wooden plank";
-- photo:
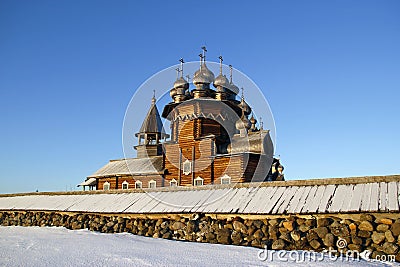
(273, 201)
(283, 207)
(288, 193)
(251, 198)
(355, 202)
(243, 195)
(342, 195)
(326, 198)
(393, 204)
(224, 205)
(296, 199)
(374, 202)
(366, 197)
(383, 190)
(302, 203)
(312, 200)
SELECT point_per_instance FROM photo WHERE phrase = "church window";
(125, 185)
(152, 184)
(106, 186)
(198, 181)
(138, 184)
(187, 167)
(226, 179)
(173, 183)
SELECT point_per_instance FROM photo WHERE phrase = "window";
(226, 179)
(198, 181)
(138, 184)
(125, 185)
(106, 186)
(152, 184)
(173, 182)
(187, 167)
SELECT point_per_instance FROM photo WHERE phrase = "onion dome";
(172, 92)
(253, 122)
(221, 83)
(181, 83)
(242, 123)
(233, 88)
(245, 107)
(203, 75)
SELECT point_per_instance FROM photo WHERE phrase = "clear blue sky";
(329, 69)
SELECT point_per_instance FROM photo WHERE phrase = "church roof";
(152, 122)
(132, 166)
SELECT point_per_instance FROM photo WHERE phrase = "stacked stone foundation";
(378, 233)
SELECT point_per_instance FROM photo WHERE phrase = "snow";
(54, 246)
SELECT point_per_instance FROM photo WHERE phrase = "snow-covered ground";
(50, 246)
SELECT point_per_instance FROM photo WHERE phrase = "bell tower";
(151, 134)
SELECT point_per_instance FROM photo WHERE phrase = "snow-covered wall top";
(367, 194)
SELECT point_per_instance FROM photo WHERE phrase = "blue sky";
(330, 71)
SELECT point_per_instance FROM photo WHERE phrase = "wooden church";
(212, 140)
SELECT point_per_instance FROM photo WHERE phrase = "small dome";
(233, 88)
(181, 83)
(172, 92)
(221, 81)
(242, 123)
(253, 120)
(203, 75)
(200, 78)
(245, 107)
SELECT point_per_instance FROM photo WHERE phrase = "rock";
(236, 238)
(239, 227)
(354, 247)
(366, 217)
(329, 240)
(210, 237)
(177, 226)
(258, 224)
(75, 225)
(386, 221)
(395, 228)
(286, 237)
(389, 236)
(304, 228)
(311, 222)
(352, 226)
(315, 244)
(288, 225)
(382, 228)
(364, 234)
(366, 226)
(300, 221)
(295, 235)
(273, 222)
(258, 234)
(311, 235)
(321, 222)
(224, 236)
(390, 248)
(278, 244)
(191, 226)
(273, 232)
(356, 240)
(321, 231)
(167, 235)
(377, 238)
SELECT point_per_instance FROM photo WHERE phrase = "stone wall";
(378, 233)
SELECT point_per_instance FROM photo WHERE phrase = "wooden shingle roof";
(134, 166)
(347, 195)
